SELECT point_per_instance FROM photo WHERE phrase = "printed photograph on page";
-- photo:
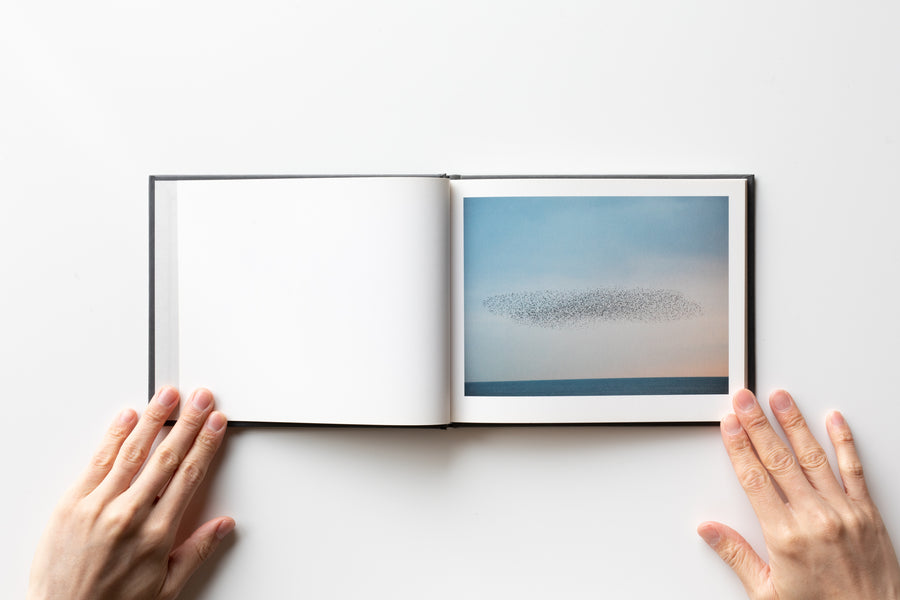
(596, 295)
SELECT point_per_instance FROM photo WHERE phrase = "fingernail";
(216, 422)
(710, 535)
(167, 397)
(781, 401)
(202, 399)
(745, 401)
(837, 419)
(224, 528)
(126, 416)
(732, 425)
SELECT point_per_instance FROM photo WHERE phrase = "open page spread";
(419, 301)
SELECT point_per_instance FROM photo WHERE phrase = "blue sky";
(522, 244)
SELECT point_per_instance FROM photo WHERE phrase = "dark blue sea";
(629, 386)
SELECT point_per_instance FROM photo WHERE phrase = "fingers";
(168, 456)
(751, 474)
(849, 464)
(811, 457)
(773, 453)
(192, 469)
(188, 557)
(133, 452)
(103, 460)
(737, 554)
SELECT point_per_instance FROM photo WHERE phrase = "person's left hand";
(113, 533)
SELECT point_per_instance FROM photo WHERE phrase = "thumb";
(187, 558)
(737, 554)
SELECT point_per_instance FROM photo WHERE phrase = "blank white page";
(309, 300)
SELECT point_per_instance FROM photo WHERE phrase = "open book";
(431, 300)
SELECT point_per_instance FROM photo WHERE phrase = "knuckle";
(757, 422)
(103, 460)
(779, 460)
(133, 454)
(117, 433)
(792, 421)
(192, 419)
(813, 459)
(192, 473)
(739, 444)
(853, 470)
(843, 436)
(792, 545)
(831, 529)
(754, 479)
(731, 554)
(155, 413)
(118, 521)
(167, 459)
(206, 443)
(791, 542)
(205, 548)
(869, 512)
(859, 523)
(156, 533)
(73, 507)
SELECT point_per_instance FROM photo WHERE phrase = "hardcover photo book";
(435, 300)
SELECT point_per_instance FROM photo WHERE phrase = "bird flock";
(559, 309)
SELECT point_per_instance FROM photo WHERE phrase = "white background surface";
(98, 95)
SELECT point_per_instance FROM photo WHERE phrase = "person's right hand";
(825, 541)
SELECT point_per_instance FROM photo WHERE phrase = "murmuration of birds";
(562, 309)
